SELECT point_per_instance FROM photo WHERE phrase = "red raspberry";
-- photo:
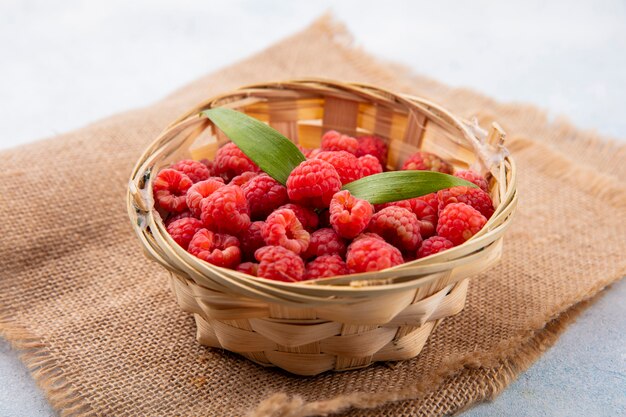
(279, 264)
(325, 242)
(401, 203)
(313, 183)
(264, 194)
(251, 239)
(226, 210)
(369, 235)
(307, 217)
(458, 222)
(208, 164)
(426, 216)
(325, 266)
(423, 209)
(230, 161)
(182, 230)
(349, 215)
(372, 145)
(397, 226)
(242, 179)
(425, 161)
(313, 153)
(474, 178)
(432, 200)
(217, 249)
(169, 189)
(173, 217)
(369, 165)
(368, 254)
(474, 197)
(335, 141)
(433, 245)
(249, 268)
(196, 171)
(346, 164)
(282, 228)
(199, 191)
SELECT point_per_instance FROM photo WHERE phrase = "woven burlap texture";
(102, 334)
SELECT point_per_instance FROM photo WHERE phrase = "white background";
(66, 63)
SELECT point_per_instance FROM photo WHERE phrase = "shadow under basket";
(336, 323)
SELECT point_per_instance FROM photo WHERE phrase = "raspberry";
(196, 171)
(182, 230)
(217, 249)
(280, 264)
(173, 217)
(369, 165)
(169, 190)
(335, 141)
(398, 226)
(282, 228)
(474, 197)
(371, 254)
(242, 179)
(264, 194)
(426, 216)
(208, 164)
(230, 161)
(423, 210)
(307, 217)
(313, 183)
(251, 239)
(425, 161)
(372, 145)
(226, 210)
(349, 215)
(325, 242)
(432, 200)
(313, 153)
(458, 222)
(199, 191)
(249, 268)
(346, 164)
(433, 245)
(474, 178)
(325, 266)
(369, 235)
(401, 203)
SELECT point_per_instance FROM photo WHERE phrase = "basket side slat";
(340, 114)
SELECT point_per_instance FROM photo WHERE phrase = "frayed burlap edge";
(46, 371)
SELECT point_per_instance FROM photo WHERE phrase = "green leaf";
(276, 155)
(401, 185)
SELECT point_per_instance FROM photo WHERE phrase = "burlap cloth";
(102, 335)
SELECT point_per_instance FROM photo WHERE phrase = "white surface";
(68, 63)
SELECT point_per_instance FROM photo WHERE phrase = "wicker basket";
(335, 323)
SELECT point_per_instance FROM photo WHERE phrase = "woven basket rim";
(329, 286)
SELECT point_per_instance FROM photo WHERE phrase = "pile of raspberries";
(229, 213)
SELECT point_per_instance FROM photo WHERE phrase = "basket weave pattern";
(335, 323)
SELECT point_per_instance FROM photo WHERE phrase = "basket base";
(308, 345)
